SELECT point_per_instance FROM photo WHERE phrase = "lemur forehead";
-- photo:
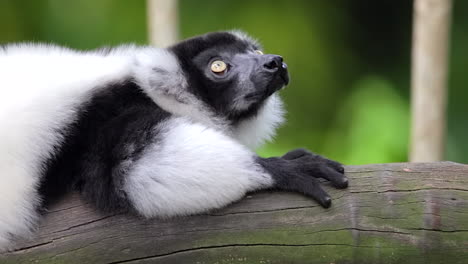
(232, 40)
(229, 42)
(244, 37)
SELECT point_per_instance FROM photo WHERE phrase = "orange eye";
(218, 66)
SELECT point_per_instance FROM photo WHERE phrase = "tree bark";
(391, 213)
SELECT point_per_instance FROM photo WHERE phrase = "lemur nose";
(273, 62)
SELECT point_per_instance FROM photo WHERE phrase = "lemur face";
(229, 72)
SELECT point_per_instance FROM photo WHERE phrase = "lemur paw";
(299, 170)
(301, 153)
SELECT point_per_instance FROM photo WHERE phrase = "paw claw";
(343, 184)
(326, 202)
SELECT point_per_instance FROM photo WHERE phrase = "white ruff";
(258, 129)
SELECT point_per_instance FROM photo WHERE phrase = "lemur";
(156, 131)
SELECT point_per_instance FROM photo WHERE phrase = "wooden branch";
(431, 28)
(391, 213)
(163, 22)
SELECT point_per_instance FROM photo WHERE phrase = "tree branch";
(417, 213)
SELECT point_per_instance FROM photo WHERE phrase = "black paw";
(299, 170)
(300, 152)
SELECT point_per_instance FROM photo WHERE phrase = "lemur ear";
(158, 70)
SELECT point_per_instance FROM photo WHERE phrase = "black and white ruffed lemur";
(159, 132)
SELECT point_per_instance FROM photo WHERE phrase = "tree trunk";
(163, 22)
(391, 213)
(431, 27)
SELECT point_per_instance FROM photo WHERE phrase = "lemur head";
(229, 72)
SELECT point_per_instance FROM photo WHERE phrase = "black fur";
(188, 49)
(90, 160)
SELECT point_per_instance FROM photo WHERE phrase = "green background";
(349, 62)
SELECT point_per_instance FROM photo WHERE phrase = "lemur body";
(153, 131)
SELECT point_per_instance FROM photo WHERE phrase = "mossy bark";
(391, 213)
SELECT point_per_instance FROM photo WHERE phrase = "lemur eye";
(259, 52)
(218, 66)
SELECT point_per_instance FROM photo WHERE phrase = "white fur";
(195, 168)
(42, 88)
(258, 129)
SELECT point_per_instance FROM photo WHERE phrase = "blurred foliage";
(349, 62)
